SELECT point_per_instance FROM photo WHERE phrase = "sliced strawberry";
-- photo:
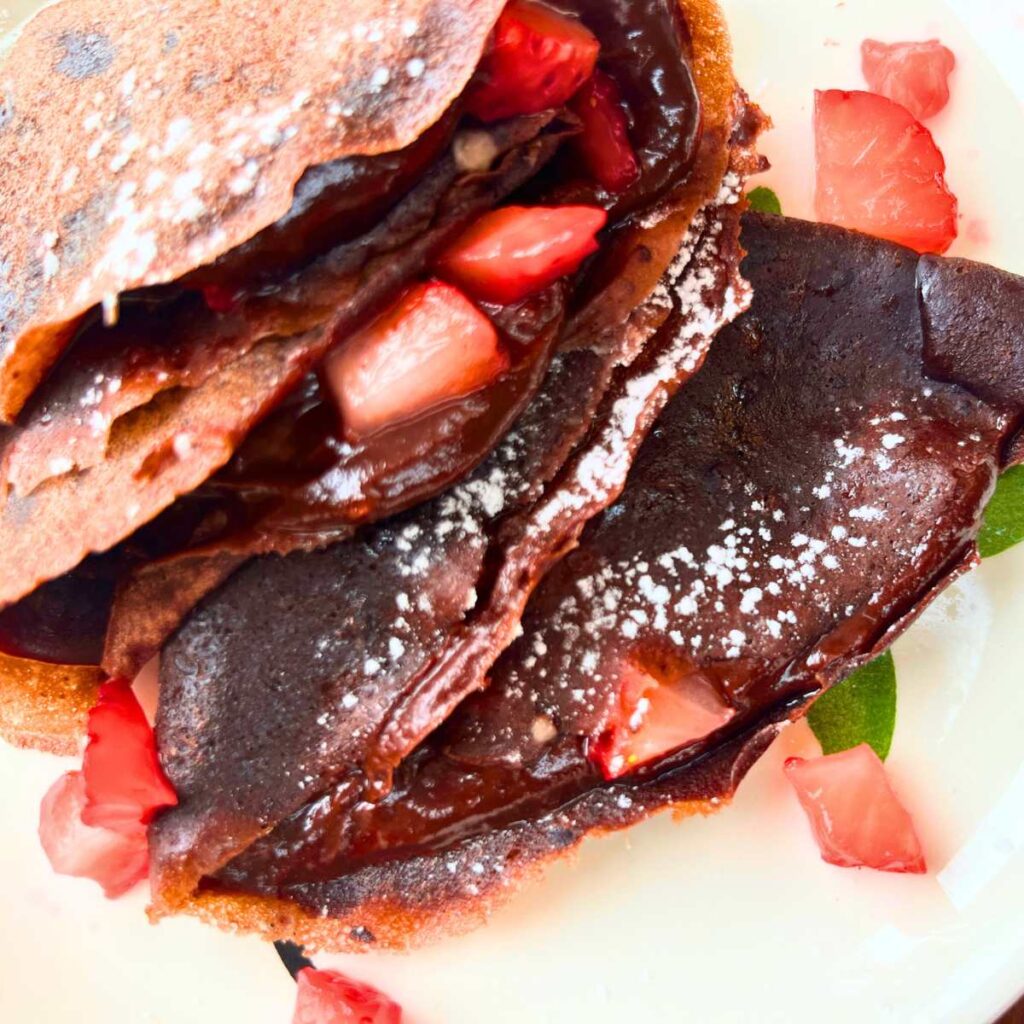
(603, 145)
(116, 860)
(124, 782)
(915, 75)
(432, 346)
(538, 59)
(327, 997)
(512, 253)
(879, 171)
(652, 719)
(857, 818)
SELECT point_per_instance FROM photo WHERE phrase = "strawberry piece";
(327, 997)
(512, 253)
(856, 817)
(220, 299)
(432, 346)
(879, 171)
(653, 719)
(915, 75)
(538, 59)
(124, 783)
(603, 146)
(113, 859)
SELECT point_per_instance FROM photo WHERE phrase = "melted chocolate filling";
(646, 49)
(297, 481)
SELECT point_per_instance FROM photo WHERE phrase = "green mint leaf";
(1004, 516)
(764, 200)
(861, 709)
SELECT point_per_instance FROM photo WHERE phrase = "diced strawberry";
(652, 719)
(857, 818)
(538, 59)
(220, 299)
(116, 860)
(915, 75)
(327, 997)
(124, 782)
(512, 253)
(432, 346)
(879, 171)
(603, 145)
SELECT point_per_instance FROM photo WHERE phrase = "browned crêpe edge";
(59, 524)
(406, 905)
(152, 602)
(44, 707)
(139, 141)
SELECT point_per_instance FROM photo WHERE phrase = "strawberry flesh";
(432, 346)
(915, 75)
(124, 783)
(603, 146)
(117, 861)
(653, 718)
(880, 172)
(327, 997)
(539, 58)
(511, 253)
(220, 299)
(854, 813)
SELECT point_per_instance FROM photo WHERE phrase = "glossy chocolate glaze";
(797, 505)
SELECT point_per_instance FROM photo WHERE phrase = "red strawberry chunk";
(879, 171)
(114, 859)
(220, 299)
(327, 997)
(538, 59)
(512, 253)
(432, 346)
(915, 75)
(856, 817)
(124, 783)
(603, 145)
(653, 719)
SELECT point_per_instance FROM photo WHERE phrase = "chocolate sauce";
(646, 48)
(299, 477)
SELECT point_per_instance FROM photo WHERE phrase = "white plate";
(732, 918)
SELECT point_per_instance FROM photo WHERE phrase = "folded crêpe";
(798, 504)
(200, 203)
